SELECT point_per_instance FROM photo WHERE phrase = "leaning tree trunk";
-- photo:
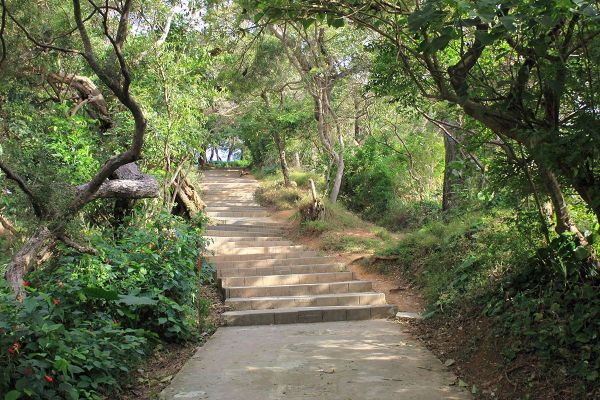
(88, 93)
(186, 197)
(561, 209)
(6, 228)
(280, 143)
(452, 181)
(563, 216)
(26, 258)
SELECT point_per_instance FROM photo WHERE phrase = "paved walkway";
(267, 279)
(286, 297)
(359, 360)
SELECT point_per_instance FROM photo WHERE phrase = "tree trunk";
(297, 163)
(280, 143)
(337, 182)
(202, 159)
(88, 94)
(144, 188)
(561, 209)
(6, 228)
(212, 154)
(187, 197)
(451, 180)
(231, 149)
(124, 206)
(23, 262)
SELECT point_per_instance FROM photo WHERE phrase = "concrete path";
(359, 360)
(267, 279)
(270, 281)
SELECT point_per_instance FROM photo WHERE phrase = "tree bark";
(24, 260)
(187, 197)
(144, 188)
(297, 162)
(561, 209)
(6, 228)
(231, 149)
(451, 180)
(337, 182)
(124, 206)
(280, 143)
(87, 91)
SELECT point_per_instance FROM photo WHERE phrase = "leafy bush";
(53, 350)
(457, 260)
(88, 319)
(552, 305)
(369, 184)
(231, 164)
(154, 264)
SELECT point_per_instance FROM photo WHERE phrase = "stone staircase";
(267, 279)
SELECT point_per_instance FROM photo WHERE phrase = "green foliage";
(459, 260)
(51, 350)
(369, 184)
(88, 320)
(382, 183)
(155, 260)
(552, 306)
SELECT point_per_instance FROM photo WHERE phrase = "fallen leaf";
(327, 371)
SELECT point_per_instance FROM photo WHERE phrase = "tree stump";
(314, 210)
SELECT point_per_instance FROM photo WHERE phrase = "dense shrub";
(369, 184)
(552, 306)
(458, 260)
(51, 349)
(88, 319)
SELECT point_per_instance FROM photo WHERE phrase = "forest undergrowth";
(508, 333)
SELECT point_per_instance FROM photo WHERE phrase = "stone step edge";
(297, 285)
(283, 276)
(308, 314)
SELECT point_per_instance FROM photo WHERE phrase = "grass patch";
(460, 259)
(273, 193)
(337, 241)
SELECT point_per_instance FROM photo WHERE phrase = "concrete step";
(226, 244)
(264, 222)
(249, 235)
(254, 249)
(244, 239)
(288, 279)
(234, 208)
(228, 214)
(274, 262)
(219, 230)
(234, 203)
(220, 257)
(308, 314)
(323, 300)
(279, 270)
(247, 227)
(301, 289)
